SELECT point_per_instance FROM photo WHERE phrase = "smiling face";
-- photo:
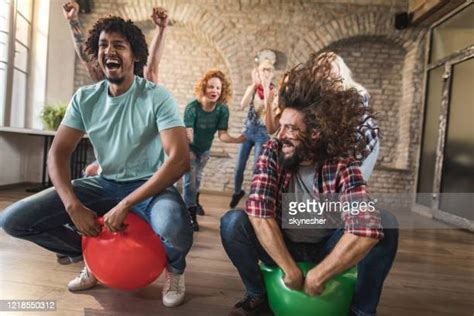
(290, 134)
(115, 57)
(213, 90)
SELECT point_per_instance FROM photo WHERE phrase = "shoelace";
(173, 282)
(84, 274)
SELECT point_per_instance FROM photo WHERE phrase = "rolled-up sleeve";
(360, 218)
(264, 189)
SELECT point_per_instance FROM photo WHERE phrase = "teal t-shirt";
(205, 124)
(125, 130)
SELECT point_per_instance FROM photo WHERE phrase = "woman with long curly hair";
(204, 116)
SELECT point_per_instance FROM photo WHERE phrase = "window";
(453, 35)
(15, 45)
(447, 150)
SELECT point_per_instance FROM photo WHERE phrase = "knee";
(12, 221)
(173, 224)
(233, 223)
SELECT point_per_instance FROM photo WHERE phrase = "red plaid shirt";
(340, 176)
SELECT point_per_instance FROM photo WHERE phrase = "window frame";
(448, 62)
(10, 63)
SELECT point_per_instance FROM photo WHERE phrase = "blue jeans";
(192, 179)
(40, 218)
(369, 163)
(244, 250)
(256, 136)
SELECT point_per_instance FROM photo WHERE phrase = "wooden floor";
(432, 275)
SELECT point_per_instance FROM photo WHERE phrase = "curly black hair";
(132, 33)
(328, 109)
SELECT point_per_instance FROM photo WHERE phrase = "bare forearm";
(226, 138)
(247, 96)
(349, 250)
(170, 172)
(78, 40)
(156, 52)
(270, 237)
(60, 175)
(270, 121)
(189, 135)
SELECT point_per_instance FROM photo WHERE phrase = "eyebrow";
(113, 42)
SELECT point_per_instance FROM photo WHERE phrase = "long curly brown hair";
(127, 28)
(329, 110)
(226, 91)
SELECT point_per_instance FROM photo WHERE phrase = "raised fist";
(160, 17)
(71, 10)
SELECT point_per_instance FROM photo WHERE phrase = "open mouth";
(112, 64)
(287, 148)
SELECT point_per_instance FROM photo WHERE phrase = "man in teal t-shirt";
(140, 143)
(204, 117)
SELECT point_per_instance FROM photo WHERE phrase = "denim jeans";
(192, 179)
(256, 136)
(41, 218)
(244, 250)
(369, 163)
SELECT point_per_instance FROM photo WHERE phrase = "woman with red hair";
(204, 116)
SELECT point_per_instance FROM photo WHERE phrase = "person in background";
(255, 97)
(203, 117)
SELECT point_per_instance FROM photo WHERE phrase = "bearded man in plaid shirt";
(313, 154)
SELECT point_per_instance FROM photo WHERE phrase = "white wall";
(51, 79)
(61, 57)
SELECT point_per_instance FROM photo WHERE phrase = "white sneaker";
(173, 289)
(86, 280)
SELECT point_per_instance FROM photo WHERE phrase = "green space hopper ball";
(334, 301)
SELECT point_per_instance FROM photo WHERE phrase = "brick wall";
(228, 33)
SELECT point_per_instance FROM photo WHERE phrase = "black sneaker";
(251, 306)
(199, 210)
(64, 259)
(192, 211)
(236, 198)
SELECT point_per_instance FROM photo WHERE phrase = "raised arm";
(250, 92)
(59, 158)
(71, 13)
(160, 18)
(271, 117)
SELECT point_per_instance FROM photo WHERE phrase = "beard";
(292, 162)
(116, 80)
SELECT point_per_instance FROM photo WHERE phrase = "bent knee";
(231, 222)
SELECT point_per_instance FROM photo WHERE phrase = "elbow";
(258, 223)
(182, 164)
(186, 165)
(149, 75)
